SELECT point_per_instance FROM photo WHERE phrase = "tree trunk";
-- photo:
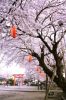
(60, 82)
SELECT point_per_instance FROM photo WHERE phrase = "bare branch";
(47, 7)
(46, 44)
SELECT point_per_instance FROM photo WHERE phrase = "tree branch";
(44, 41)
(47, 7)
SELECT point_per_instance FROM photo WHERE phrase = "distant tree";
(10, 81)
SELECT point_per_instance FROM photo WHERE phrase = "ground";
(22, 93)
(22, 96)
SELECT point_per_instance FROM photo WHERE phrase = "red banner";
(18, 75)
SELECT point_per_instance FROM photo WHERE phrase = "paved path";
(21, 93)
(22, 96)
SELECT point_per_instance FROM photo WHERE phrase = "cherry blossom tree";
(41, 32)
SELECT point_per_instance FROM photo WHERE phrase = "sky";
(13, 68)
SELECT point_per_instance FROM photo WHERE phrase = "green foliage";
(10, 81)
